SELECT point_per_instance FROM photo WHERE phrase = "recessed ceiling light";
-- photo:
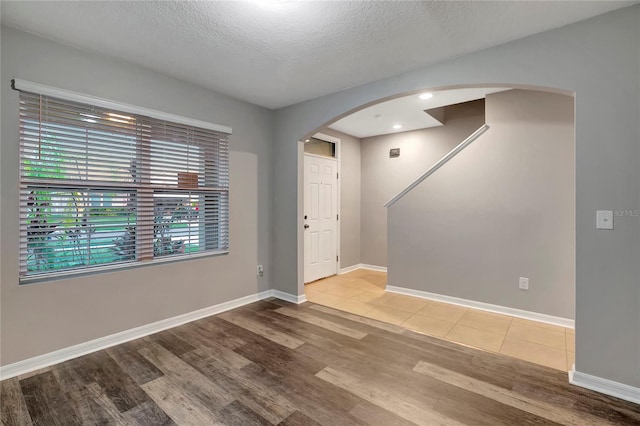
(306, 140)
(397, 126)
(426, 96)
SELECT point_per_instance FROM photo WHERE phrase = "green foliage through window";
(102, 187)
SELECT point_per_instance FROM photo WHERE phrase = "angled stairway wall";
(384, 177)
(501, 209)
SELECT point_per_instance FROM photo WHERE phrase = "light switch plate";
(604, 219)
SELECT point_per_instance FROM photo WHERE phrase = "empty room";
(451, 202)
(320, 213)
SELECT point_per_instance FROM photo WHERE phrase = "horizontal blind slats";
(103, 187)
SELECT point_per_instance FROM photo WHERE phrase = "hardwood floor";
(272, 362)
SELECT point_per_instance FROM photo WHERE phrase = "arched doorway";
(562, 290)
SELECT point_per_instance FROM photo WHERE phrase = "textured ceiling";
(276, 53)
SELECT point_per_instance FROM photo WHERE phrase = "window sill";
(116, 268)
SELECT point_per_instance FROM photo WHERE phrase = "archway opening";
(492, 230)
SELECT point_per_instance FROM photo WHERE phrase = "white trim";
(338, 143)
(605, 386)
(41, 89)
(65, 354)
(338, 158)
(327, 138)
(348, 269)
(287, 297)
(324, 157)
(362, 266)
(533, 316)
(338, 152)
(373, 267)
(475, 135)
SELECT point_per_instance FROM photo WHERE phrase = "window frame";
(220, 229)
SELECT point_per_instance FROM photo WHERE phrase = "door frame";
(337, 142)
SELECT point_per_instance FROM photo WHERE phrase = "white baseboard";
(65, 354)
(288, 297)
(605, 386)
(533, 316)
(349, 269)
(362, 266)
(373, 267)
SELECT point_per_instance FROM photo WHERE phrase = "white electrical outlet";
(523, 283)
(259, 270)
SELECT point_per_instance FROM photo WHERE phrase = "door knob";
(306, 226)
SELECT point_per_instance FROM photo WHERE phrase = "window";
(102, 187)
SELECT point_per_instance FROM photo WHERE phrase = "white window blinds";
(101, 187)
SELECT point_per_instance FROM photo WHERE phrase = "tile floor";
(362, 292)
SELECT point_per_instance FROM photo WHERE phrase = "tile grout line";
(483, 329)
(539, 344)
(504, 339)
(543, 344)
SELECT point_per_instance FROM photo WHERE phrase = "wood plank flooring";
(275, 363)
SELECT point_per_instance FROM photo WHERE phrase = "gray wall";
(502, 208)
(383, 177)
(39, 318)
(350, 191)
(599, 60)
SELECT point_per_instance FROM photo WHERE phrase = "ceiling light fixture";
(426, 96)
(397, 126)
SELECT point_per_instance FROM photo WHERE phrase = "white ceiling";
(276, 53)
(407, 112)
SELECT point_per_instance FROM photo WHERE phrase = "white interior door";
(320, 217)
